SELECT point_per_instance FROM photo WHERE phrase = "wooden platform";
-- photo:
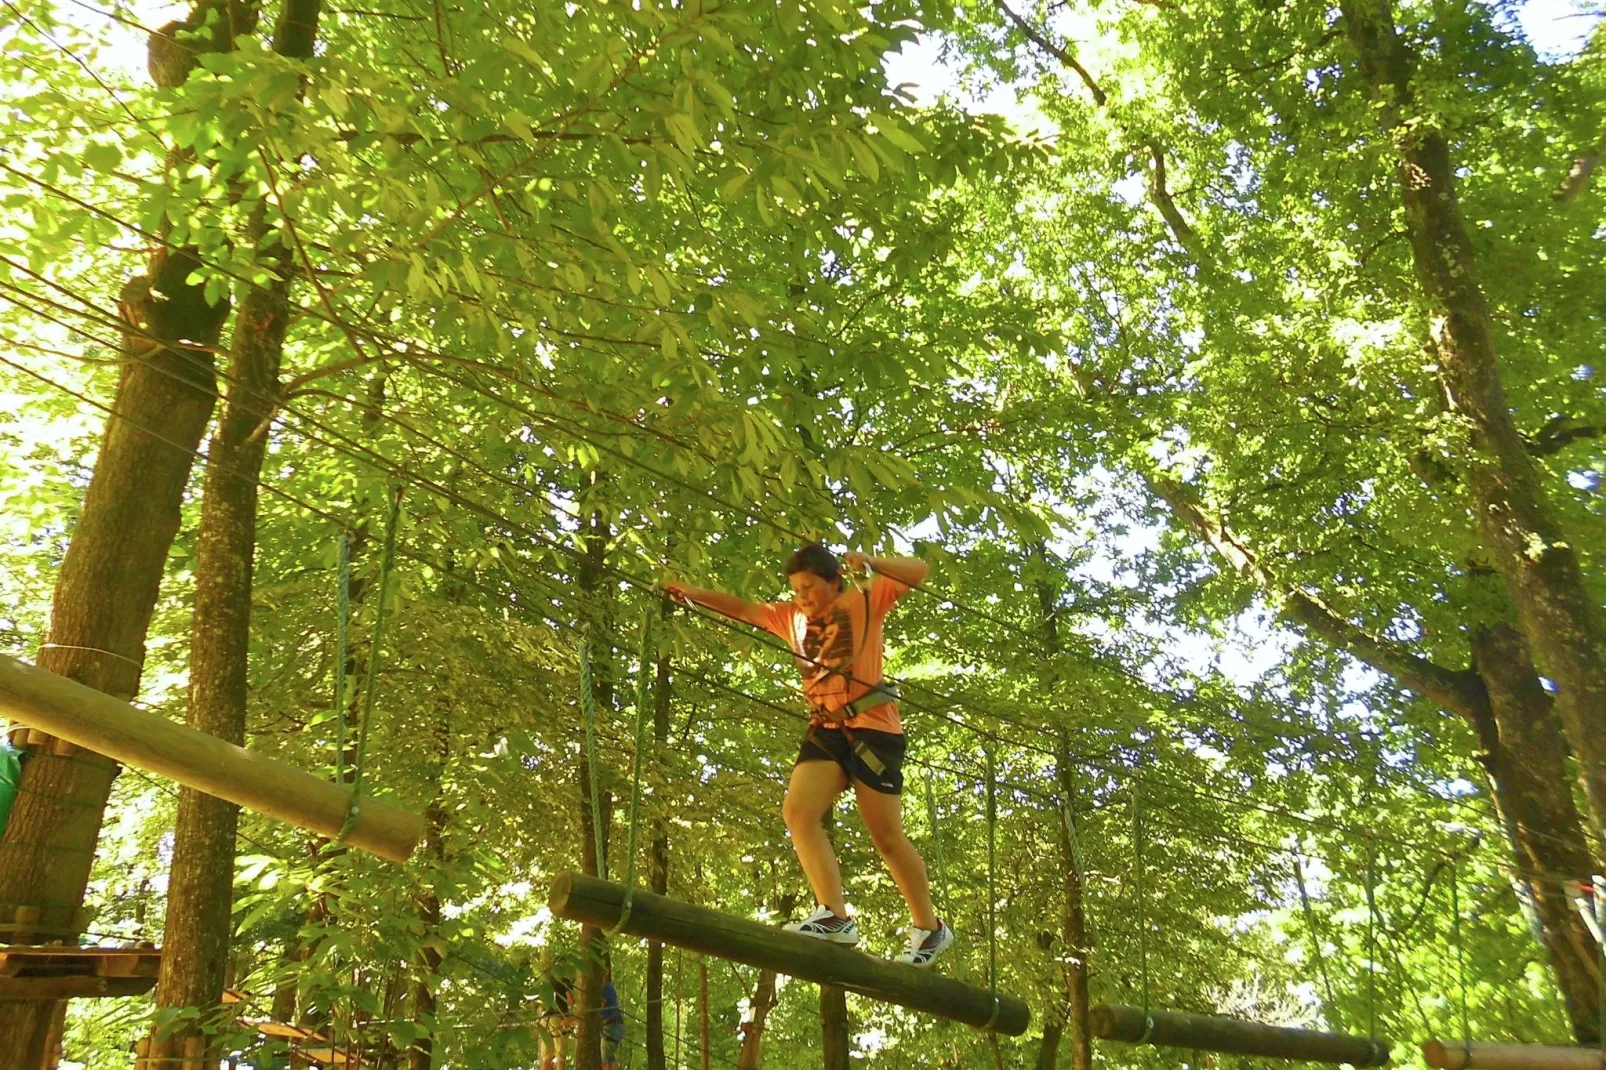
(54, 971)
(19, 988)
(53, 960)
(307, 1043)
(1454, 1055)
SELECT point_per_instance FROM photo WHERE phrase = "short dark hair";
(816, 559)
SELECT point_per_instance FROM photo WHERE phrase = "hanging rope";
(588, 711)
(992, 886)
(941, 866)
(1075, 838)
(643, 697)
(1143, 919)
(1371, 938)
(387, 563)
(1600, 940)
(1336, 1020)
(1460, 963)
(342, 641)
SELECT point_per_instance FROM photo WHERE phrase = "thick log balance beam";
(73, 987)
(590, 901)
(1210, 1032)
(145, 740)
(1453, 1055)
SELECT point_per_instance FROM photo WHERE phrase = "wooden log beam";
(590, 901)
(1453, 1055)
(29, 988)
(94, 720)
(1210, 1032)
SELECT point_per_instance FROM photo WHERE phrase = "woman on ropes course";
(835, 633)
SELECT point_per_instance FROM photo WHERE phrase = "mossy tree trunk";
(200, 882)
(1509, 501)
(111, 574)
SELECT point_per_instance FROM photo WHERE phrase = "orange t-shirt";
(840, 654)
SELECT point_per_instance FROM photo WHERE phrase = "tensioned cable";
(752, 514)
(387, 467)
(1282, 812)
(347, 327)
(369, 334)
(467, 459)
(993, 714)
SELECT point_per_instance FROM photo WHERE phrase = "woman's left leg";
(883, 817)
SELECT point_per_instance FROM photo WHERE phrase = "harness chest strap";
(879, 695)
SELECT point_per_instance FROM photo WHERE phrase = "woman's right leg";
(814, 787)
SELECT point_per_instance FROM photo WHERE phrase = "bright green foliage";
(692, 273)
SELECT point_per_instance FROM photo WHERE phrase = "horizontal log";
(590, 901)
(1453, 1055)
(73, 987)
(145, 740)
(1237, 1036)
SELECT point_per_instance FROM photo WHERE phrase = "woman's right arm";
(727, 605)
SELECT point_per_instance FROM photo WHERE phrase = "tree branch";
(1159, 193)
(1579, 174)
(1160, 197)
(1558, 433)
(1459, 692)
(1059, 52)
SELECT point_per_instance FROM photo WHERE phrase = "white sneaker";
(926, 944)
(823, 924)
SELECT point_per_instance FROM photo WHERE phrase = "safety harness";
(879, 695)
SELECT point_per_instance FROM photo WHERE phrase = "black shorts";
(873, 758)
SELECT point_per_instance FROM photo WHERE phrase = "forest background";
(1260, 485)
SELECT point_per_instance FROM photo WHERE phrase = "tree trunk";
(1074, 930)
(834, 1027)
(286, 990)
(659, 876)
(1074, 934)
(422, 1053)
(200, 887)
(1514, 514)
(751, 1056)
(1527, 766)
(111, 574)
(1527, 771)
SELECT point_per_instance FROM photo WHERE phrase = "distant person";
(558, 1024)
(613, 1024)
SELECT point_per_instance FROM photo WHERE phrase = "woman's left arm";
(909, 571)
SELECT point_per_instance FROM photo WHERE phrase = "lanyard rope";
(1600, 941)
(1460, 963)
(387, 563)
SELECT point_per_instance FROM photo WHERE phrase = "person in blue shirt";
(613, 1024)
